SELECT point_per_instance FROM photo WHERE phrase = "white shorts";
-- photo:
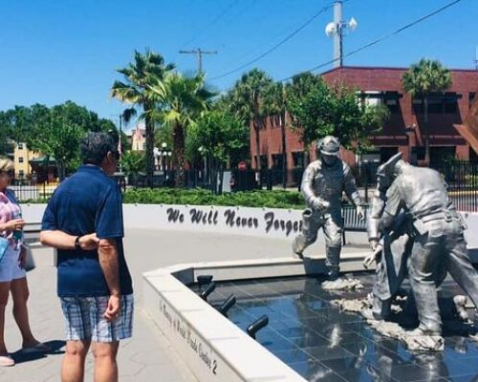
(10, 267)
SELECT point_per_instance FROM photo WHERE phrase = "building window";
(144, 146)
(418, 153)
(20, 146)
(21, 174)
(441, 155)
(387, 152)
(20, 159)
(438, 103)
(393, 105)
(450, 104)
(298, 158)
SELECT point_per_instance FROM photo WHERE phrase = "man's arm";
(61, 240)
(393, 206)
(108, 258)
(350, 187)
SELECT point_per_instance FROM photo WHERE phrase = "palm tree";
(248, 102)
(147, 70)
(183, 98)
(275, 103)
(428, 76)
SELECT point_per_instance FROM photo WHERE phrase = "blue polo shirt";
(89, 201)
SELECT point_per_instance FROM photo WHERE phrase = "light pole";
(164, 152)
(202, 153)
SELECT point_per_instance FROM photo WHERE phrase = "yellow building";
(22, 157)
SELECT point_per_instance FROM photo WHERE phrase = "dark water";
(322, 343)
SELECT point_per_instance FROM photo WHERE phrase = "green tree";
(57, 132)
(247, 101)
(183, 99)
(145, 72)
(222, 136)
(422, 79)
(325, 111)
(132, 162)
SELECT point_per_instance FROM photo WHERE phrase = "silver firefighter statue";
(323, 184)
(418, 196)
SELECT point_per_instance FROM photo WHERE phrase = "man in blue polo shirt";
(84, 221)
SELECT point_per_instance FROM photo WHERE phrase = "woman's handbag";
(3, 247)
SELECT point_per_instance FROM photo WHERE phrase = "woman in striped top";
(12, 273)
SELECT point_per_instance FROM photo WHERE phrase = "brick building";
(404, 129)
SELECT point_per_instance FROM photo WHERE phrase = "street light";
(202, 153)
(164, 153)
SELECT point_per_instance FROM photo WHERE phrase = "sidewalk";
(148, 354)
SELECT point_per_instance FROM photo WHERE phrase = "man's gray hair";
(95, 146)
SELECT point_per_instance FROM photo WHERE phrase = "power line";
(211, 23)
(283, 41)
(378, 40)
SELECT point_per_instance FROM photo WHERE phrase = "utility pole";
(339, 35)
(336, 29)
(199, 53)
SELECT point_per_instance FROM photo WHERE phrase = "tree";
(183, 99)
(57, 132)
(247, 101)
(132, 162)
(147, 71)
(222, 136)
(325, 111)
(422, 79)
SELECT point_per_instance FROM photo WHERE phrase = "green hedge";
(200, 197)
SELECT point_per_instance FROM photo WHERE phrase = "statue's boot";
(381, 309)
(427, 306)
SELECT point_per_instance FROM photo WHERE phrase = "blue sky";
(58, 50)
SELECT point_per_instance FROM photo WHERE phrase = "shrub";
(200, 197)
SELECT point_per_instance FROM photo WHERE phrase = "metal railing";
(461, 178)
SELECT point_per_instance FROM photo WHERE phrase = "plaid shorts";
(84, 319)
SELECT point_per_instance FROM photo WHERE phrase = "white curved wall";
(261, 222)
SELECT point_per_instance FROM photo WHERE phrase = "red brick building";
(404, 129)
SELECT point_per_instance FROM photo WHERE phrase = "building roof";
(378, 68)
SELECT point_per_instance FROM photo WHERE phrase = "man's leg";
(106, 367)
(423, 267)
(461, 268)
(73, 365)
(333, 243)
(311, 223)
(78, 337)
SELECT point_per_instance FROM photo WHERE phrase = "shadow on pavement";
(56, 347)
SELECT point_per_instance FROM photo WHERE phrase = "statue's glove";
(320, 204)
(360, 212)
(368, 261)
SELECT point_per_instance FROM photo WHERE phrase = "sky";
(58, 50)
